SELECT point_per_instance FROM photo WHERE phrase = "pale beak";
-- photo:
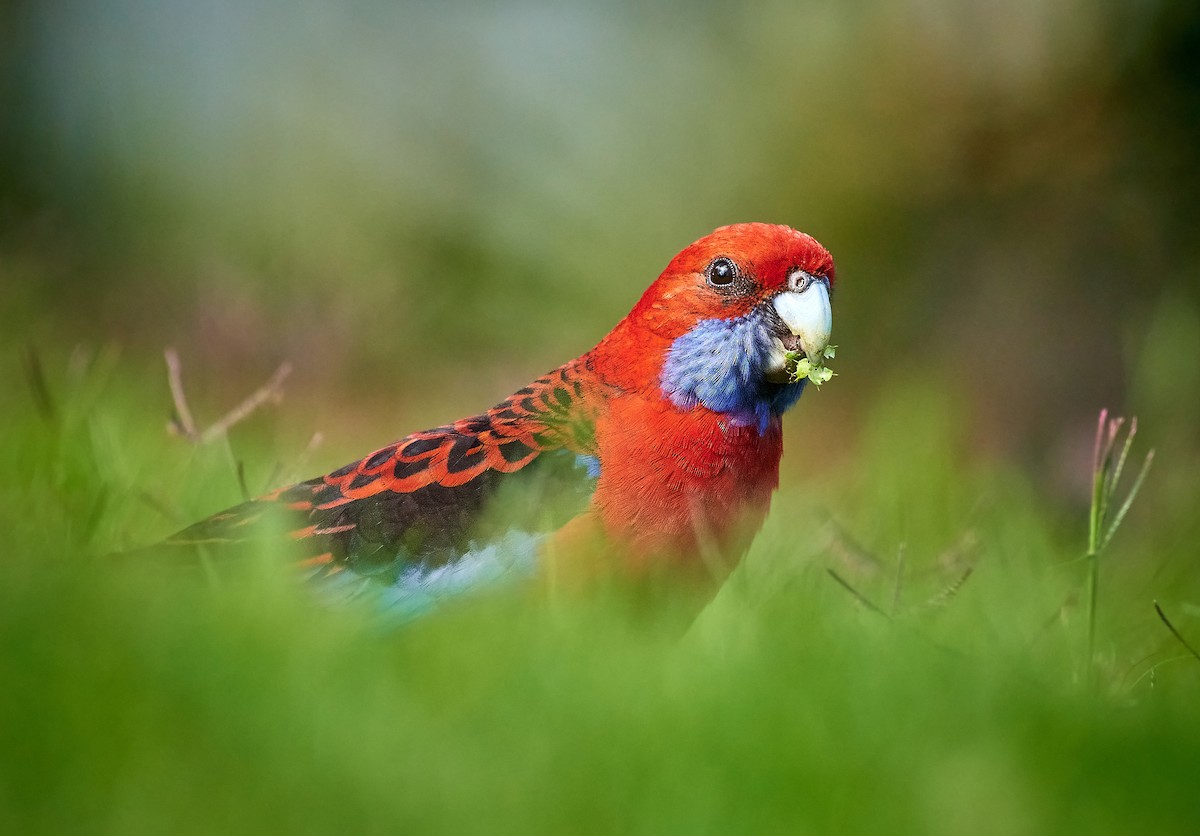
(804, 309)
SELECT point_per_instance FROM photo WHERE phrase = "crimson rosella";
(660, 447)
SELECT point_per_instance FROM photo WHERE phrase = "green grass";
(134, 699)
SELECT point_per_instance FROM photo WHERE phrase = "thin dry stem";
(272, 390)
(182, 423)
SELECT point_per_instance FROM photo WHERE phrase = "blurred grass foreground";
(420, 210)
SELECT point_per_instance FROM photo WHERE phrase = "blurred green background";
(388, 195)
(422, 208)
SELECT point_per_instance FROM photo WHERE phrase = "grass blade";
(1133, 492)
(1162, 615)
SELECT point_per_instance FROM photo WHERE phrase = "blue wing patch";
(500, 545)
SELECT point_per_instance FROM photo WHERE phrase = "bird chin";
(775, 369)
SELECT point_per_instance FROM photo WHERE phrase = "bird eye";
(722, 272)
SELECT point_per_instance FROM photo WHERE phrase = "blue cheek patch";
(719, 364)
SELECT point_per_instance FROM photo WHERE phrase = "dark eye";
(722, 272)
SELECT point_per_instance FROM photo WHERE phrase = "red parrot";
(659, 447)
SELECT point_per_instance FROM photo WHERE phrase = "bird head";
(731, 306)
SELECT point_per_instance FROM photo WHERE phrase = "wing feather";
(451, 496)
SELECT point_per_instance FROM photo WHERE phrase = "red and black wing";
(526, 464)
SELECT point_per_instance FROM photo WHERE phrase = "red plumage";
(662, 443)
(682, 475)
